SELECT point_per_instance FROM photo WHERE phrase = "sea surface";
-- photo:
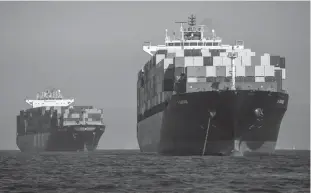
(132, 171)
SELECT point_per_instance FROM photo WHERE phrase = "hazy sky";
(93, 50)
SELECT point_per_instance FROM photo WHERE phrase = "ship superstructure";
(198, 96)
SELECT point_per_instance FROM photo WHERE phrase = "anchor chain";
(206, 135)
(94, 133)
(212, 114)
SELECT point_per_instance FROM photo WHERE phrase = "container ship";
(54, 124)
(197, 96)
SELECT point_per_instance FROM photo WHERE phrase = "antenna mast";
(232, 55)
(202, 31)
(192, 20)
(181, 30)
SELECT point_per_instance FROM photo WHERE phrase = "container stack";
(156, 78)
(80, 115)
(202, 68)
(44, 119)
(34, 120)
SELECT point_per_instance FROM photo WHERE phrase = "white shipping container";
(167, 62)
(210, 71)
(198, 61)
(206, 53)
(259, 79)
(192, 79)
(247, 52)
(228, 70)
(179, 53)
(159, 57)
(217, 61)
(265, 60)
(269, 70)
(196, 79)
(283, 73)
(189, 61)
(223, 54)
(226, 61)
(246, 61)
(262, 61)
(238, 61)
(171, 50)
(259, 71)
(229, 50)
(241, 53)
(240, 70)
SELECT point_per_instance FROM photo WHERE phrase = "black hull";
(235, 124)
(66, 139)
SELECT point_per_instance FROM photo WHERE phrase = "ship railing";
(88, 123)
(284, 91)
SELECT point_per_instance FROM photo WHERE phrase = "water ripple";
(130, 171)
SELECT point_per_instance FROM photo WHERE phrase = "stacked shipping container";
(202, 68)
(45, 119)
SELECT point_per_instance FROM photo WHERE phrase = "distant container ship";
(53, 124)
(196, 96)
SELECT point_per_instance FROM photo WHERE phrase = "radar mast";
(192, 20)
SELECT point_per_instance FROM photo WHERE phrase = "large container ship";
(54, 124)
(197, 96)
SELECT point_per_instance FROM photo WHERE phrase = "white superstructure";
(49, 98)
(191, 38)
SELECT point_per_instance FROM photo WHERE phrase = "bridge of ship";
(208, 44)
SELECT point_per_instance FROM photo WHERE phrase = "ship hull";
(148, 132)
(216, 123)
(66, 139)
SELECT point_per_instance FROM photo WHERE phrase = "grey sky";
(93, 50)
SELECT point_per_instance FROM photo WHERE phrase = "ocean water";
(132, 171)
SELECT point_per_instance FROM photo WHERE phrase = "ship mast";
(202, 31)
(192, 20)
(182, 31)
(232, 55)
